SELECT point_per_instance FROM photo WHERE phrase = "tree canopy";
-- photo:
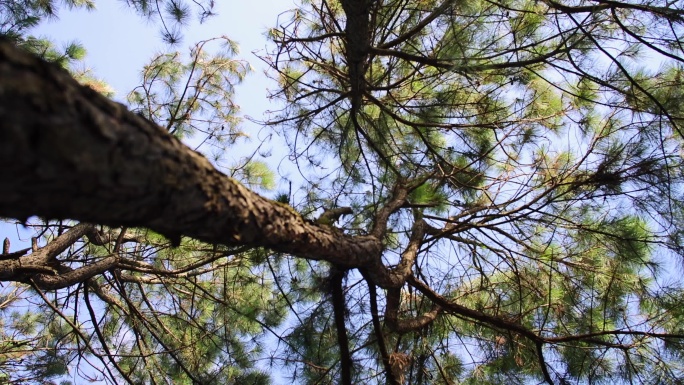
(489, 192)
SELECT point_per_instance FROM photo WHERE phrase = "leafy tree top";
(491, 193)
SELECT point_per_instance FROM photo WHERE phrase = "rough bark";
(66, 152)
(357, 35)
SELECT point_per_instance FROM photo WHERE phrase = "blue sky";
(119, 42)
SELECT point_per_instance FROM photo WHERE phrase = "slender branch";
(439, 11)
(72, 325)
(382, 346)
(339, 308)
(100, 336)
(309, 39)
(454, 308)
(68, 277)
(406, 324)
(542, 363)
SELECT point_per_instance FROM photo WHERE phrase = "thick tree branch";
(400, 272)
(396, 276)
(357, 33)
(467, 67)
(68, 152)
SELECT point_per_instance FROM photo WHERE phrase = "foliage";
(17, 18)
(549, 147)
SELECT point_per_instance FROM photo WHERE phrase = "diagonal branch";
(68, 152)
(20, 267)
(405, 325)
(65, 276)
(453, 308)
(339, 309)
(377, 328)
(437, 12)
(61, 243)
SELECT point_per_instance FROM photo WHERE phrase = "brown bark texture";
(67, 152)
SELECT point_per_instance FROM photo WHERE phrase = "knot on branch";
(330, 216)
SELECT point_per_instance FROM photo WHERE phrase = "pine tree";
(511, 173)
